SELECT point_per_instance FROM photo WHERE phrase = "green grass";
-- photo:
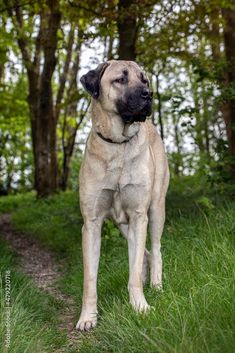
(33, 314)
(13, 202)
(195, 312)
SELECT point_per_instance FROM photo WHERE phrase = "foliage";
(15, 141)
(182, 48)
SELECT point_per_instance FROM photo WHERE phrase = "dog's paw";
(141, 306)
(156, 285)
(87, 321)
(139, 303)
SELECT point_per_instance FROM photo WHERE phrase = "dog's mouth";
(139, 115)
(129, 119)
(136, 111)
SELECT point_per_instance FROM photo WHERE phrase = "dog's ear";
(91, 80)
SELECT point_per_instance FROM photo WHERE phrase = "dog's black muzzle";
(136, 105)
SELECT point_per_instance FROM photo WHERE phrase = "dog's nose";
(146, 94)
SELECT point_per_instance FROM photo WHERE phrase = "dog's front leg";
(91, 240)
(136, 247)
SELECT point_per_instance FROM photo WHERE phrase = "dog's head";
(121, 88)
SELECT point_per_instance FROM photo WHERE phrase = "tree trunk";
(69, 143)
(33, 97)
(67, 155)
(159, 107)
(46, 121)
(205, 124)
(229, 117)
(40, 99)
(110, 48)
(127, 29)
(178, 147)
(69, 132)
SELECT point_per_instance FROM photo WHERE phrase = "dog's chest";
(131, 167)
(130, 179)
(118, 183)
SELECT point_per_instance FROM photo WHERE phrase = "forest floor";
(39, 264)
(40, 244)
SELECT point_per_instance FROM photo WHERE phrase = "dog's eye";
(121, 80)
(144, 80)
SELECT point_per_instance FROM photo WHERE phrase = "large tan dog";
(124, 176)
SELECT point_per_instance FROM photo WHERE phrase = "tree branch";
(10, 8)
(82, 7)
(16, 16)
(38, 46)
(64, 74)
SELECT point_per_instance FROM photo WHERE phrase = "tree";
(229, 109)
(127, 29)
(72, 114)
(187, 50)
(40, 98)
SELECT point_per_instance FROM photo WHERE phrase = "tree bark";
(229, 109)
(206, 116)
(159, 107)
(68, 147)
(177, 143)
(46, 127)
(127, 29)
(110, 48)
(69, 143)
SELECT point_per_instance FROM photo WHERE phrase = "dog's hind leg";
(146, 263)
(156, 223)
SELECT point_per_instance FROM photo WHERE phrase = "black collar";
(111, 141)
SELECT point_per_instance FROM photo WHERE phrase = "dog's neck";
(110, 125)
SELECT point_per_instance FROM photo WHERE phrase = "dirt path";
(40, 264)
